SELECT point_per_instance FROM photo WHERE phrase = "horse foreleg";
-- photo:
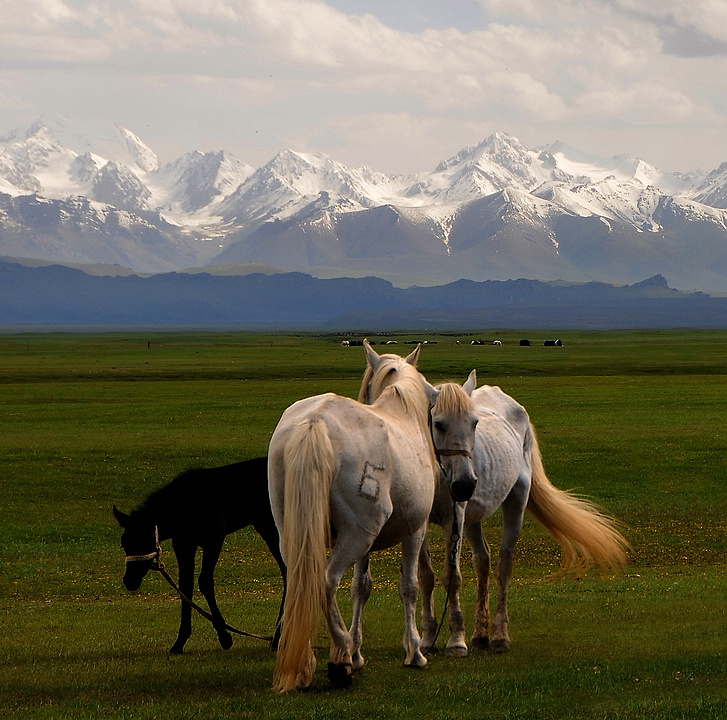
(185, 563)
(360, 593)
(457, 644)
(482, 561)
(426, 587)
(408, 592)
(513, 509)
(210, 555)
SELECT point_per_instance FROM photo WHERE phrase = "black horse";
(199, 508)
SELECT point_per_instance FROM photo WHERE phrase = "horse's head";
(453, 423)
(140, 543)
(385, 370)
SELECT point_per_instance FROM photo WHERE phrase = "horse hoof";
(307, 688)
(456, 651)
(481, 643)
(500, 646)
(419, 662)
(340, 674)
(176, 649)
(225, 641)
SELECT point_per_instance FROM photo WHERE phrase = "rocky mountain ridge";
(96, 193)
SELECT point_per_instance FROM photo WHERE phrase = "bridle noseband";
(156, 555)
(450, 453)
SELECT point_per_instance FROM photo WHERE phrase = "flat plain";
(636, 421)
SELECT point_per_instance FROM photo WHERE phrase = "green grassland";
(637, 421)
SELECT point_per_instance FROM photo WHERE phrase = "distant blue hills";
(60, 296)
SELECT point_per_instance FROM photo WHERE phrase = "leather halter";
(156, 555)
(449, 453)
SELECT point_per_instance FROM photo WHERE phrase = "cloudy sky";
(394, 84)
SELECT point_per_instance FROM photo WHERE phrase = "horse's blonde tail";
(309, 463)
(586, 535)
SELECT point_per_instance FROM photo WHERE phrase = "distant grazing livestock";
(497, 342)
(345, 343)
(553, 343)
(525, 342)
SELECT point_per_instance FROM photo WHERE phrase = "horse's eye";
(439, 426)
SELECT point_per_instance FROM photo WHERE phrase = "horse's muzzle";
(133, 577)
(462, 490)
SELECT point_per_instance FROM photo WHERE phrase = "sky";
(397, 85)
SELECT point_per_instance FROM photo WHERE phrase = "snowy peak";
(499, 162)
(198, 181)
(713, 189)
(99, 137)
(291, 181)
(583, 168)
(143, 157)
(309, 174)
(58, 157)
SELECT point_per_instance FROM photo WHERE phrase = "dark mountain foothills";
(56, 295)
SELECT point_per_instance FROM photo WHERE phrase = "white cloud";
(306, 65)
(705, 17)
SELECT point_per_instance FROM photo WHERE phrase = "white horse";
(510, 475)
(359, 478)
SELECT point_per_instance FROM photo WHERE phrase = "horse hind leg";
(426, 587)
(513, 509)
(344, 554)
(481, 559)
(360, 593)
(408, 592)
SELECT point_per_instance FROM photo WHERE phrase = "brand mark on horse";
(370, 485)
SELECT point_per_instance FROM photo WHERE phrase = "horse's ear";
(470, 383)
(431, 391)
(413, 357)
(372, 357)
(123, 518)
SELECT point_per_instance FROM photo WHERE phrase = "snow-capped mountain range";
(81, 192)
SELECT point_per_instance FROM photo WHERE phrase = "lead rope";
(158, 566)
(455, 537)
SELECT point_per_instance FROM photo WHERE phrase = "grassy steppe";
(637, 421)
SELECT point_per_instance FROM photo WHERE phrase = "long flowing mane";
(395, 381)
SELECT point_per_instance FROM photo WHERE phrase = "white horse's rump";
(511, 475)
(363, 479)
